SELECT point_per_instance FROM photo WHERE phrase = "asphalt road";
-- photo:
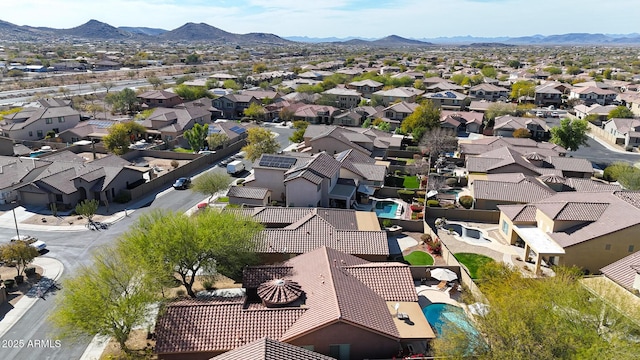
(74, 249)
(601, 157)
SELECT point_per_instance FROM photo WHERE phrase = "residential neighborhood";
(267, 199)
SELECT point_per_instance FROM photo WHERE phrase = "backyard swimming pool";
(468, 233)
(387, 209)
(439, 315)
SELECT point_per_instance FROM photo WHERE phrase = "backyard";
(419, 258)
(403, 181)
(473, 262)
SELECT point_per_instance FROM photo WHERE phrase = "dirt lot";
(61, 220)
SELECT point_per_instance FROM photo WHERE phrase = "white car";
(34, 242)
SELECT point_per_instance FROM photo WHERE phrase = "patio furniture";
(442, 285)
(443, 274)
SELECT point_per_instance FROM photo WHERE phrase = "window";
(48, 121)
(61, 119)
(340, 351)
(30, 133)
(160, 101)
(607, 247)
(631, 248)
(39, 133)
(58, 197)
(505, 227)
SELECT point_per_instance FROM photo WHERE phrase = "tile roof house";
(335, 139)
(590, 230)
(344, 98)
(69, 178)
(550, 93)
(15, 172)
(602, 112)
(390, 96)
(521, 145)
(448, 99)
(159, 98)
(249, 196)
(395, 113)
(339, 304)
(87, 130)
(505, 126)
(462, 121)
(507, 160)
(625, 272)
(443, 86)
(169, 123)
(268, 349)
(315, 114)
(488, 92)
(593, 95)
(33, 123)
(625, 131)
(365, 87)
(233, 105)
(361, 168)
(503, 189)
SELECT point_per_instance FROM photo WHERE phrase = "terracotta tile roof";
(588, 185)
(573, 211)
(268, 349)
(624, 271)
(571, 164)
(158, 94)
(526, 190)
(392, 281)
(247, 192)
(520, 145)
(321, 164)
(219, 324)
(509, 122)
(496, 159)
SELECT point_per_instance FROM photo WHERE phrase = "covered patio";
(537, 241)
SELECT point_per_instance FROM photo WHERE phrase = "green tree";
(259, 68)
(521, 133)
(630, 179)
(122, 101)
(213, 242)
(570, 134)
(298, 134)
(87, 208)
(254, 111)
(560, 319)
(18, 254)
(573, 70)
(216, 140)
(426, 116)
(107, 85)
(260, 141)
(191, 93)
(607, 74)
(211, 182)
(553, 70)
(489, 71)
(155, 81)
(108, 298)
(620, 112)
(192, 59)
(498, 109)
(120, 136)
(613, 171)
(231, 84)
(384, 126)
(523, 88)
(197, 136)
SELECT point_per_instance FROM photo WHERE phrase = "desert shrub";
(420, 200)
(387, 223)
(433, 203)
(451, 182)
(413, 148)
(421, 193)
(613, 171)
(406, 195)
(425, 238)
(466, 201)
(175, 164)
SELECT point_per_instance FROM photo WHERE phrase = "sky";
(343, 18)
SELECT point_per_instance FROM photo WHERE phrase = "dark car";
(182, 183)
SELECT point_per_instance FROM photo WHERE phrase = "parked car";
(539, 114)
(182, 183)
(34, 242)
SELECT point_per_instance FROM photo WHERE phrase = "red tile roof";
(268, 349)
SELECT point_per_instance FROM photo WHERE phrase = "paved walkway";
(51, 271)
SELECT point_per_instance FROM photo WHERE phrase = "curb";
(52, 270)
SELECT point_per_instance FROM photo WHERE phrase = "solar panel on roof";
(213, 130)
(101, 123)
(238, 129)
(281, 162)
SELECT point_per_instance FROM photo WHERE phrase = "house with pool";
(588, 230)
(325, 301)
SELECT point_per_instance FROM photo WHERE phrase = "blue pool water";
(386, 209)
(440, 315)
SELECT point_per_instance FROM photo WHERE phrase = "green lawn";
(183, 150)
(411, 182)
(419, 258)
(223, 199)
(473, 262)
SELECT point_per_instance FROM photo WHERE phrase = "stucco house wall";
(272, 179)
(302, 193)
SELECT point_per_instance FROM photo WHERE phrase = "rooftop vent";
(279, 292)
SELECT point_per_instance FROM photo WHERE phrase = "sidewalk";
(51, 271)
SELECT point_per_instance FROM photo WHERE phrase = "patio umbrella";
(479, 309)
(443, 274)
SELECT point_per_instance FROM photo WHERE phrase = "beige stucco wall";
(23, 134)
(303, 193)
(593, 254)
(271, 179)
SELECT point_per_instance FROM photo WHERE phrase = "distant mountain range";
(192, 32)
